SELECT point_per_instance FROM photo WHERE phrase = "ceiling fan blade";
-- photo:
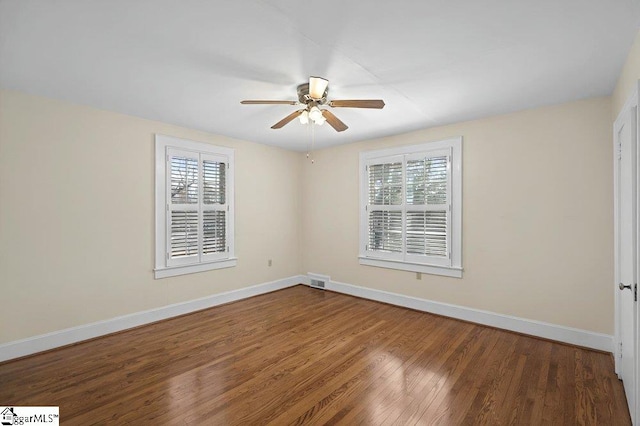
(259, 102)
(334, 121)
(358, 103)
(287, 119)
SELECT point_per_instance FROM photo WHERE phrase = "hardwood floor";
(306, 356)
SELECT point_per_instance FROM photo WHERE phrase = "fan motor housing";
(304, 98)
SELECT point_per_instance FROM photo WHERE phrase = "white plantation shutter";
(427, 233)
(427, 207)
(214, 207)
(194, 207)
(427, 180)
(183, 240)
(184, 178)
(385, 231)
(385, 180)
(409, 207)
(197, 207)
(183, 196)
(385, 183)
(214, 178)
(214, 232)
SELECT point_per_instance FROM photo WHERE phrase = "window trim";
(162, 144)
(455, 269)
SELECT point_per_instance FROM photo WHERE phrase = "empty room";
(284, 212)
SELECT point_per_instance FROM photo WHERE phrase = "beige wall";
(537, 216)
(628, 78)
(77, 219)
(76, 216)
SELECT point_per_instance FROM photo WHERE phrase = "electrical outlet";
(418, 275)
(270, 262)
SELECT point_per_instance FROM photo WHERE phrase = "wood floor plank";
(400, 370)
(376, 391)
(304, 356)
(486, 405)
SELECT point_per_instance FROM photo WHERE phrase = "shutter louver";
(184, 180)
(427, 233)
(214, 232)
(214, 182)
(184, 233)
(385, 231)
(427, 181)
(385, 184)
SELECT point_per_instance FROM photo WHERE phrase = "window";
(194, 207)
(411, 208)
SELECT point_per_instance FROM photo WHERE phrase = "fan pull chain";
(311, 142)
(308, 140)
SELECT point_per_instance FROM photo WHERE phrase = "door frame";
(632, 101)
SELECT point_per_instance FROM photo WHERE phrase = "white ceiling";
(432, 61)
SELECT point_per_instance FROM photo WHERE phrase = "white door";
(625, 134)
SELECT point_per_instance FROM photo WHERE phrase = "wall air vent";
(318, 281)
(317, 284)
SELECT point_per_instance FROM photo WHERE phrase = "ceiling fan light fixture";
(315, 114)
(304, 117)
(317, 87)
(312, 95)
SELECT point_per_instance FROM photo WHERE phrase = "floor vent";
(317, 284)
(318, 280)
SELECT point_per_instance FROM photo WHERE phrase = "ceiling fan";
(313, 95)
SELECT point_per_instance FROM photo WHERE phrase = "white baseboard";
(32, 345)
(68, 336)
(574, 336)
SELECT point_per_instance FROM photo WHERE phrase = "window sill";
(192, 269)
(447, 271)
